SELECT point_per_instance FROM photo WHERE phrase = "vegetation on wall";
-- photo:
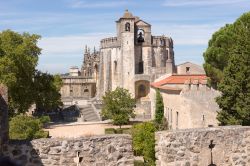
(143, 136)
(160, 121)
(24, 127)
(118, 105)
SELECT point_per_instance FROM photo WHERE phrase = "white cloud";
(74, 44)
(88, 4)
(178, 3)
(187, 34)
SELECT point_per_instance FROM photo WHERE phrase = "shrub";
(144, 141)
(118, 131)
(159, 108)
(138, 163)
(25, 127)
(118, 106)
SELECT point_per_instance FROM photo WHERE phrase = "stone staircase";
(88, 114)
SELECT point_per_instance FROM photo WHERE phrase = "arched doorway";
(141, 88)
(86, 92)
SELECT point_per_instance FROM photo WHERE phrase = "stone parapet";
(110, 42)
(162, 41)
(191, 146)
(96, 151)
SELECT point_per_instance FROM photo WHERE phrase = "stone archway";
(86, 93)
(141, 88)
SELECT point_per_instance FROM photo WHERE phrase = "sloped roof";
(179, 79)
(127, 14)
(142, 22)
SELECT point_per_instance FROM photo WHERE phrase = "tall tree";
(47, 89)
(118, 106)
(219, 51)
(18, 59)
(235, 85)
(159, 108)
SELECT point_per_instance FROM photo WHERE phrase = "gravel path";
(78, 130)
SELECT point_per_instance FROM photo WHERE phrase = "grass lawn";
(118, 131)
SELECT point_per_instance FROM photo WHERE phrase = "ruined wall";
(94, 151)
(3, 116)
(191, 147)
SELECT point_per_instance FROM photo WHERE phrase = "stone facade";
(189, 68)
(188, 102)
(191, 147)
(3, 116)
(133, 58)
(109, 150)
(77, 87)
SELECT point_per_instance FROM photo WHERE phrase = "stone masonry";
(191, 147)
(3, 116)
(109, 150)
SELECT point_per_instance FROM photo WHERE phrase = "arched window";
(140, 36)
(127, 27)
(162, 42)
(115, 64)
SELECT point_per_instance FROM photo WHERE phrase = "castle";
(135, 60)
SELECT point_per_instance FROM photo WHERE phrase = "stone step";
(89, 113)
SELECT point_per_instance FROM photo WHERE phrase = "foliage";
(220, 47)
(235, 86)
(159, 108)
(47, 91)
(44, 119)
(138, 163)
(143, 136)
(118, 106)
(25, 127)
(18, 59)
(118, 131)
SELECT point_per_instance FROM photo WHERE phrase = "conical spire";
(86, 48)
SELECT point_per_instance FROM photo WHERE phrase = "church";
(136, 60)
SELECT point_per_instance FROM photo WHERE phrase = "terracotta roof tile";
(180, 79)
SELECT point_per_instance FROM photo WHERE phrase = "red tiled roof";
(179, 79)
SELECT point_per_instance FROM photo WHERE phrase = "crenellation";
(110, 42)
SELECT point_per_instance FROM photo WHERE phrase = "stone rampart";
(110, 42)
(109, 150)
(191, 147)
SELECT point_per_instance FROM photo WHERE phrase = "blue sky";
(66, 26)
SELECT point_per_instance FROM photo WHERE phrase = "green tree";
(143, 136)
(219, 50)
(159, 108)
(47, 91)
(118, 106)
(235, 85)
(18, 59)
(25, 127)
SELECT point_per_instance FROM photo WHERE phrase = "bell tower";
(126, 36)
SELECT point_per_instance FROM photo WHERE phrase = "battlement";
(110, 42)
(195, 85)
(162, 41)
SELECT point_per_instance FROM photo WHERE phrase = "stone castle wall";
(191, 147)
(3, 116)
(106, 150)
